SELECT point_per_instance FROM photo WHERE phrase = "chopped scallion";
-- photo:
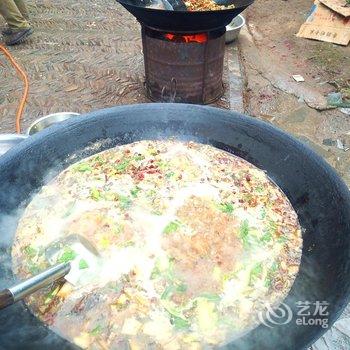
(125, 202)
(30, 251)
(244, 232)
(95, 194)
(255, 273)
(83, 167)
(122, 166)
(171, 227)
(83, 264)
(97, 330)
(226, 208)
(68, 255)
(135, 191)
(179, 323)
(211, 297)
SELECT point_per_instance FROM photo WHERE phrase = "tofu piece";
(131, 326)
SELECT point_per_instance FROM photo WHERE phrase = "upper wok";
(320, 198)
(184, 21)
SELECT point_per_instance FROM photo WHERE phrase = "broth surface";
(194, 242)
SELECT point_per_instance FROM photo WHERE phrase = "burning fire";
(190, 38)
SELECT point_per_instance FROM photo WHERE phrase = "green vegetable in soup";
(255, 273)
(179, 323)
(262, 213)
(169, 174)
(171, 308)
(95, 194)
(171, 227)
(30, 251)
(125, 202)
(211, 297)
(267, 237)
(97, 330)
(135, 191)
(51, 295)
(33, 268)
(244, 232)
(83, 167)
(226, 208)
(138, 157)
(271, 274)
(83, 264)
(182, 288)
(69, 210)
(168, 291)
(122, 166)
(68, 255)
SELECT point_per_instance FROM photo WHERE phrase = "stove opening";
(187, 38)
(181, 37)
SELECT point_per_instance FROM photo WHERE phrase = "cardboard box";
(326, 25)
(338, 6)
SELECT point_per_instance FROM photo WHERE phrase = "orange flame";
(191, 38)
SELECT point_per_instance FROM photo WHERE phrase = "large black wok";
(183, 21)
(316, 192)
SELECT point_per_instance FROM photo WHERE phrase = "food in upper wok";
(205, 5)
(191, 5)
(194, 241)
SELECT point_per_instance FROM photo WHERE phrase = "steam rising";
(12, 206)
(9, 221)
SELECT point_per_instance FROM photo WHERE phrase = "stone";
(329, 142)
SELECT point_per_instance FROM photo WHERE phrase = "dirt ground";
(83, 56)
(271, 53)
(277, 22)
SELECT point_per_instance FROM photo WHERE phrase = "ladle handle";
(15, 293)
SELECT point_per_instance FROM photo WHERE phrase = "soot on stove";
(183, 67)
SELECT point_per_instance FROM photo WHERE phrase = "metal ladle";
(68, 270)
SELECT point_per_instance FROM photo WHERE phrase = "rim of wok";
(325, 266)
(184, 21)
